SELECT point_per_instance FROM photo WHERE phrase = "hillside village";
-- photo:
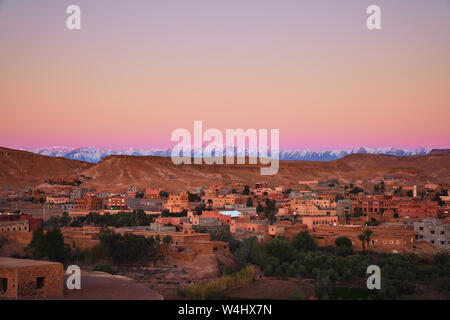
(194, 232)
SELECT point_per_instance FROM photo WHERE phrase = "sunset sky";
(137, 70)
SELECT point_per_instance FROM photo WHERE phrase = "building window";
(3, 285)
(40, 282)
(432, 231)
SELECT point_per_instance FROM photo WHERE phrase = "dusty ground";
(9, 249)
(38, 210)
(103, 286)
(166, 278)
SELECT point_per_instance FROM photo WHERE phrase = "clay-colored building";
(313, 221)
(177, 203)
(117, 202)
(89, 202)
(30, 279)
(153, 194)
(11, 222)
(382, 240)
(81, 237)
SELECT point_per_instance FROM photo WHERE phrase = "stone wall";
(30, 279)
(52, 282)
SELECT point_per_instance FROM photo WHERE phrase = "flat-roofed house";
(30, 279)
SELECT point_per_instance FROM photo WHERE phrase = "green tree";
(49, 245)
(367, 235)
(304, 241)
(163, 194)
(362, 238)
(269, 211)
(343, 242)
(280, 248)
(193, 197)
(323, 288)
(65, 219)
(259, 207)
(356, 190)
(167, 240)
(357, 212)
(127, 249)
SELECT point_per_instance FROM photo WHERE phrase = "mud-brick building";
(30, 279)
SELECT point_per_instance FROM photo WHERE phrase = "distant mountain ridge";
(94, 155)
(22, 170)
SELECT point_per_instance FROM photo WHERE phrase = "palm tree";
(367, 235)
(167, 240)
(362, 237)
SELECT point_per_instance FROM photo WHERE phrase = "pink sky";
(135, 72)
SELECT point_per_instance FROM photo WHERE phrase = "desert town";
(194, 230)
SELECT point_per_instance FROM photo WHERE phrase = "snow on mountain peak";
(93, 154)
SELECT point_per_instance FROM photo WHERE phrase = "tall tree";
(362, 238)
(367, 234)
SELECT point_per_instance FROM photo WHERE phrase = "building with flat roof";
(23, 278)
(433, 230)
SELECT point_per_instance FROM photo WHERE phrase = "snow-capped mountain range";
(94, 155)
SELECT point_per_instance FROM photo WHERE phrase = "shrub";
(104, 268)
(213, 289)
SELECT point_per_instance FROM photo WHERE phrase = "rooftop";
(231, 213)
(6, 262)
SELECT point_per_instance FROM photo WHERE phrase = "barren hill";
(122, 171)
(416, 169)
(116, 173)
(19, 169)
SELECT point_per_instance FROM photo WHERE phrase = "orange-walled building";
(152, 194)
(177, 203)
(117, 202)
(417, 209)
(383, 239)
(313, 221)
(89, 202)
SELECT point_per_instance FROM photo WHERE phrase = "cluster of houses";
(327, 210)
(401, 219)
